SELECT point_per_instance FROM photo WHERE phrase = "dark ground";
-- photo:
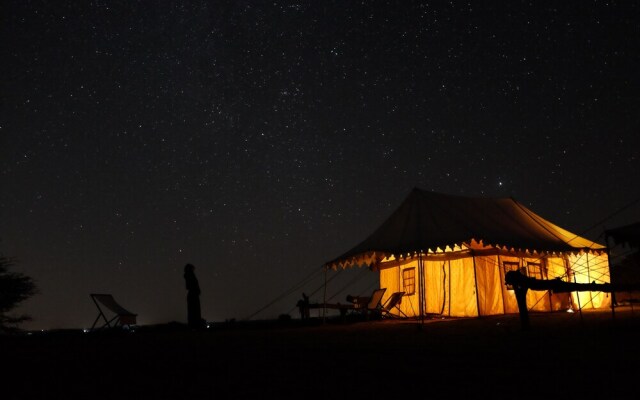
(592, 355)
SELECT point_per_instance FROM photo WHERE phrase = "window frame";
(510, 266)
(409, 275)
(535, 270)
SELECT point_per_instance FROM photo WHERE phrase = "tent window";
(534, 270)
(510, 266)
(409, 280)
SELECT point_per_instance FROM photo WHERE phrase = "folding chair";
(393, 301)
(374, 305)
(121, 316)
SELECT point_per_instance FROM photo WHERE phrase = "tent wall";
(536, 300)
(450, 287)
(437, 287)
(474, 286)
(462, 294)
(489, 286)
(557, 268)
(391, 279)
(586, 268)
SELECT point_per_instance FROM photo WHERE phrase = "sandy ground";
(588, 355)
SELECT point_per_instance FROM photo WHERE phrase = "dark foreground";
(592, 355)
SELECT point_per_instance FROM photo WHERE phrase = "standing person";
(520, 287)
(194, 319)
(303, 306)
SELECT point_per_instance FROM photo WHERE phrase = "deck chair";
(392, 302)
(374, 306)
(120, 317)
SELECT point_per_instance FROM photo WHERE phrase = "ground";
(589, 354)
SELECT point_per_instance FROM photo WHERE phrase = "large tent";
(449, 255)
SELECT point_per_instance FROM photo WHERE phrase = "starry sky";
(258, 140)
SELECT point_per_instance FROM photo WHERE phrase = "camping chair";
(393, 301)
(122, 317)
(369, 305)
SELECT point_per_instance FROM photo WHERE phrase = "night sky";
(258, 140)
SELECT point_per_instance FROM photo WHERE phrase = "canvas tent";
(449, 254)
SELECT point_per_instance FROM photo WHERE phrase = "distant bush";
(14, 289)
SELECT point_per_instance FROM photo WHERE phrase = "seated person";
(358, 301)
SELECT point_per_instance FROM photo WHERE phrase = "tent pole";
(475, 278)
(504, 290)
(578, 297)
(449, 287)
(421, 288)
(589, 280)
(613, 293)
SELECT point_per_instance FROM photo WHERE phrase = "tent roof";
(428, 221)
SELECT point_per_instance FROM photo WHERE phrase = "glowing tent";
(449, 254)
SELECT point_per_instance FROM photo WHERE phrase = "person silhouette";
(194, 318)
(303, 306)
(520, 287)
